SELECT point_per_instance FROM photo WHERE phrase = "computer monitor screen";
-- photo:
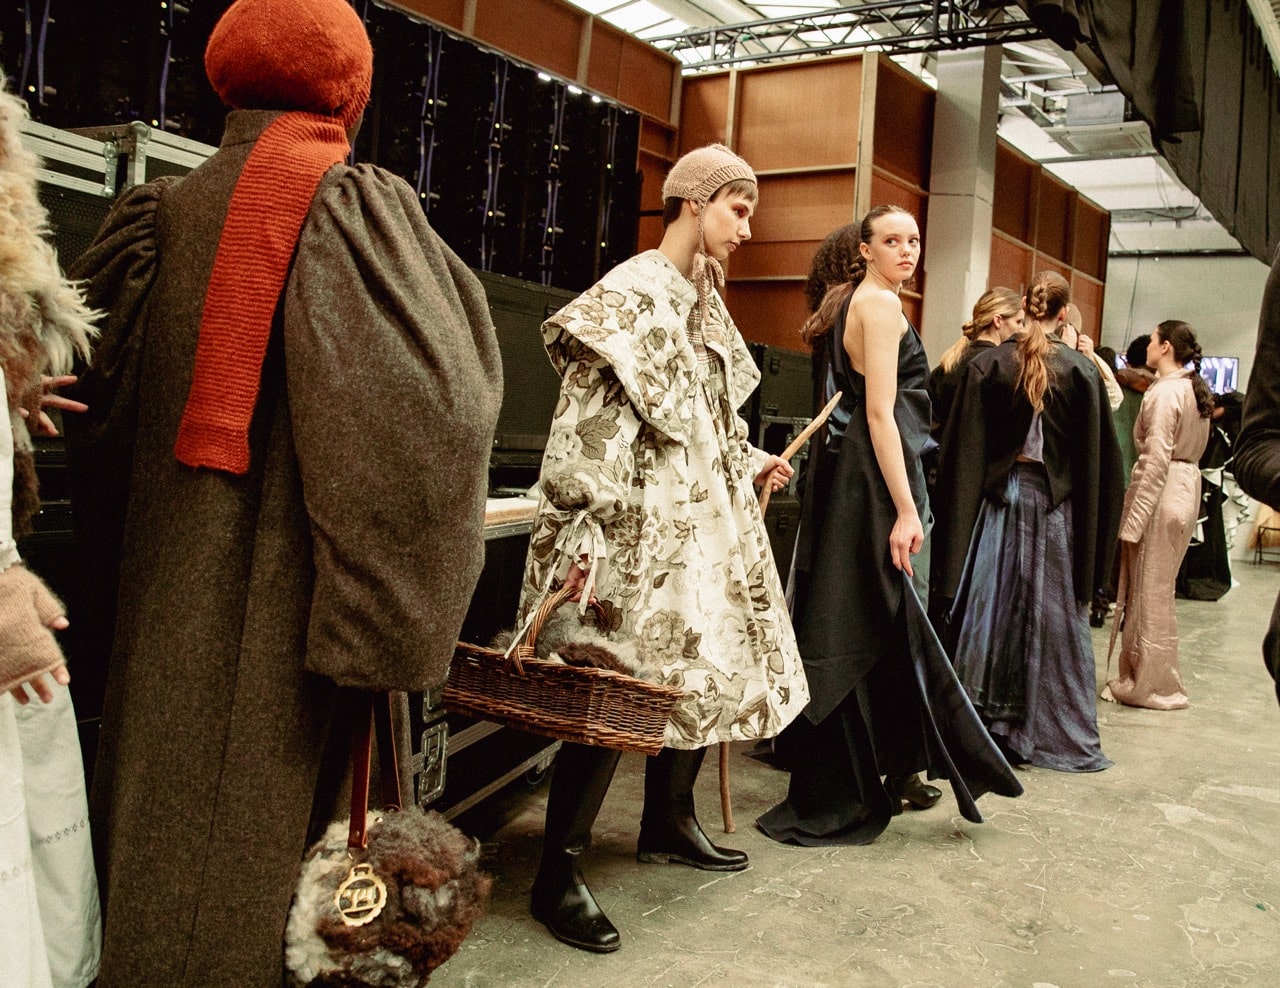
(1220, 373)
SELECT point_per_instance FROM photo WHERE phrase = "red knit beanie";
(311, 57)
(308, 55)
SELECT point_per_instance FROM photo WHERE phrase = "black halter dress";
(884, 698)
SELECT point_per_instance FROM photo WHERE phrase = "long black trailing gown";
(884, 698)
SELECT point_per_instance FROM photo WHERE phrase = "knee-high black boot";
(669, 831)
(560, 896)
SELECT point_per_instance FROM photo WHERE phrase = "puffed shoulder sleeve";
(394, 385)
(116, 273)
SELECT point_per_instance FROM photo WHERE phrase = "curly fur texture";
(435, 892)
(566, 637)
(44, 322)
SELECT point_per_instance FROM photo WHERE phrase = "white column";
(957, 249)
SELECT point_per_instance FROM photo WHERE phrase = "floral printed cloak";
(648, 470)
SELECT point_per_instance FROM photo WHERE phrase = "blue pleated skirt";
(1023, 651)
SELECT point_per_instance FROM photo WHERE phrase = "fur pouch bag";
(386, 898)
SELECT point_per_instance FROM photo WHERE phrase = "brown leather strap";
(361, 739)
(372, 709)
(387, 762)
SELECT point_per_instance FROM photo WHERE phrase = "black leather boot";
(911, 788)
(669, 832)
(560, 897)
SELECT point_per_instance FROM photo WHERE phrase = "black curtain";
(1199, 73)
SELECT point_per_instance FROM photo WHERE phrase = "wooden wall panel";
(652, 172)
(658, 138)
(800, 115)
(649, 233)
(1015, 180)
(802, 206)
(903, 123)
(781, 258)
(1087, 294)
(1010, 263)
(888, 189)
(1055, 212)
(1043, 263)
(603, 60)
(704, 111)
(450, 13)
(646, 77)
(629, 70)
(769, 312)
(912, 307)
(1091, 233)
(545, 33)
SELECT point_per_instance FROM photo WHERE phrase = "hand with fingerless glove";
(27, 609)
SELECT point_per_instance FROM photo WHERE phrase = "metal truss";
(896, 27)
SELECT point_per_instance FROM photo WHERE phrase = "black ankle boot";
(560, 897)
(669, 832)
(913, 790)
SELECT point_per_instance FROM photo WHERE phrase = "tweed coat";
(345, 557)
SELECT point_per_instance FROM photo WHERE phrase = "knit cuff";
(27, 646)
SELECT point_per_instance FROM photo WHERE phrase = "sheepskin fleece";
(44, 322)
(435, 891)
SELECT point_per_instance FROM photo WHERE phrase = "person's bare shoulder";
(878, 310)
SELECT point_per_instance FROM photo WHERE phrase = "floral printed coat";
(649, 472)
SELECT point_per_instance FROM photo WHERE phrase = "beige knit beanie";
(27, 646)
(699, 173)
(697, 176)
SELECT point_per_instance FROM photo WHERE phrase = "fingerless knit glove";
(27, 646)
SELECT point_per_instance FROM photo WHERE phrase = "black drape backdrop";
(1200, 74)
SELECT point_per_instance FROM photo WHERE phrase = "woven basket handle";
(527, 648)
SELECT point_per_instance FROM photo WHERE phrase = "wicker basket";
(590, 706)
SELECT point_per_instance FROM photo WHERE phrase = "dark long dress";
(1026, 544)
(884, 699)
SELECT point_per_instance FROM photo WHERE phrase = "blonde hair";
(1047, 295)
(823, 318)
(997, 301)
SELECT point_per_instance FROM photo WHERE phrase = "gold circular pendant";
(361, 896)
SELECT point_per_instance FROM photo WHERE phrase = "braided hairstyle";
(998, 301)
(1187, 351)
(1047, 295)
(824, 316)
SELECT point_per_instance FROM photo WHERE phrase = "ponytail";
(823, 320)
(953, 353)
(997, 301)
(1033, 367)
(1187, 351)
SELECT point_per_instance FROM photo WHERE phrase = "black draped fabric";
(1205, 573)
(1199, 72)
(943, 384)
(884, 698)
(1257, 454)
(985, 433)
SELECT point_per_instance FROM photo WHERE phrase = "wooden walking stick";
(726, 797)
(799, 441)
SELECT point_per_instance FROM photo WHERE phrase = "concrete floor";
(1163, 871)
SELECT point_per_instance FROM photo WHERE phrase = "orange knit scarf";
(268, 207)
